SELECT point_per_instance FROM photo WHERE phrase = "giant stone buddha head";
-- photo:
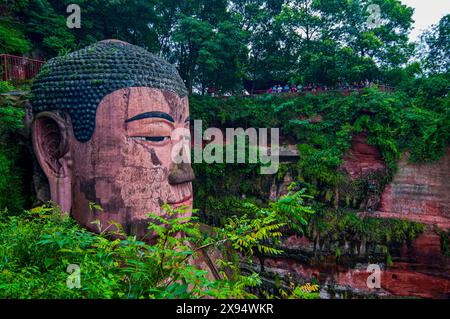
(104, 119)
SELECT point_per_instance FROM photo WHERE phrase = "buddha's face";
(127, 166)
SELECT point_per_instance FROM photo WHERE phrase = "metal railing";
(18, 69)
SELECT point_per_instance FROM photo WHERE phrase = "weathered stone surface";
(419, 192)
(279, 189)
(121, 173)
(362, 158)
(106, 119)
(76, 83)
(420, 270)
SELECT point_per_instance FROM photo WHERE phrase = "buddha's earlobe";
(50, 132)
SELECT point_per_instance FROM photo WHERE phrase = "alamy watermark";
(74, 19)
(237, 146)
(374, 280)
(374, 18)
(74, 278)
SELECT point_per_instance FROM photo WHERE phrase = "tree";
(385, 41)
(230, 44)
(12, 37)
(207, 45)
(435, 53)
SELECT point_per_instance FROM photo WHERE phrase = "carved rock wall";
(362, 158)
(419, 192)
(419, 270)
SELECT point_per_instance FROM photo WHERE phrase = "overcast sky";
(426, 13)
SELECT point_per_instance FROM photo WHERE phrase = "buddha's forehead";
(141, 100)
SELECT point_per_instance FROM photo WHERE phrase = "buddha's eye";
(154, 139)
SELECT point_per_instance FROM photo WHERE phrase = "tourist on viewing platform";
(293, 88)
(274, 89)
(212, 91)
(309, 87)
(286, 88)
(279, 88)
(299, 88)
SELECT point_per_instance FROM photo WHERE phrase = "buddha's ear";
(51, 143)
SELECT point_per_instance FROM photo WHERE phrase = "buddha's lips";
(187, 201)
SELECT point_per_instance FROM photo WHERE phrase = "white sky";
(426, 13)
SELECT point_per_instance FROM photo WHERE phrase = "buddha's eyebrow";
(147, 115)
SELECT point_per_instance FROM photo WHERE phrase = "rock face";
(362, 158)
(280, 189)
(419, 270)
(419, 192)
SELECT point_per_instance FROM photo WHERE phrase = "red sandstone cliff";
(418, 192)
(362, 158)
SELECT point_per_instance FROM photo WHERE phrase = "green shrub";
(37, 247)
(13, 181)
(5, 87)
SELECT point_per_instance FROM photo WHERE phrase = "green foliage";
(330, 226)
(260, 227)
(37, 246)
(393, 123)
(12, 197)
(300, 293)
(323, 127)
(247, 233)
(292, 208)
(13, 183)
(435, 50)
(228, 45)
(445, 240)
(319, 165)
(431, 92)
(11, 115)
(5, 87)
(12, 39)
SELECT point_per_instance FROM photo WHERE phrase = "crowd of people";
(313, 87)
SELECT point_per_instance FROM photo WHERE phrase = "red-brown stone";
(419, 192)
(362, 158)
(420, 271)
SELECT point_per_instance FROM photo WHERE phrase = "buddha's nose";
(181, 173)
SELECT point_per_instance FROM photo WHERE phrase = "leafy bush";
(37, 247)
(5, 87)
(322, 126)
(13, 181)
(329, 226)
(393, 122)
